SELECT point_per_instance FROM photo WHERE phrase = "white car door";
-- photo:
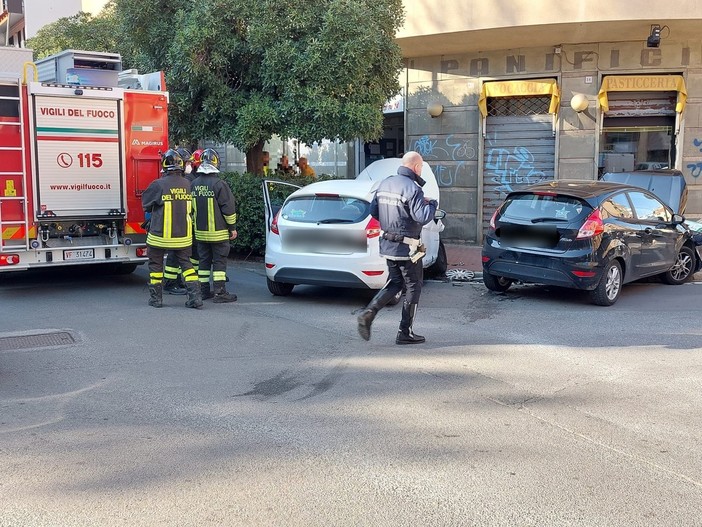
(274, 195)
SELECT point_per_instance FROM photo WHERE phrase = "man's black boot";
(194, 295)
(156, 295)
(365, 319)
(405, 335)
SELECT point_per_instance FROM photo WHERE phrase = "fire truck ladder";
(14, 220)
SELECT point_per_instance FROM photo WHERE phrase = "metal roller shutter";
(519, 148)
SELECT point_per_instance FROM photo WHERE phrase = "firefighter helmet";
(184, 153)
(171, 161)
(211, 157)
(196, 158)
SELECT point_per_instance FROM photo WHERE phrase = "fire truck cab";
(78, 150)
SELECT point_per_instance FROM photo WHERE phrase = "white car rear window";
(325, 209)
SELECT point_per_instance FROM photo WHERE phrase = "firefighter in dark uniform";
(173, 278)
(191, 166)
(168, 200)
(214, 213)
(402, 210)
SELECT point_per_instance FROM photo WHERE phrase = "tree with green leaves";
(239, 71)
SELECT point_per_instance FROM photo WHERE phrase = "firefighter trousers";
(213, 261)
(182, 258)
(173, 269)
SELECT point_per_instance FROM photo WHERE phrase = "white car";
(323, 233)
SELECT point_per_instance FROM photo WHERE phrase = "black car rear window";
(325, 209)
(544, 208)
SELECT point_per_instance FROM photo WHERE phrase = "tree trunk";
(254, 159)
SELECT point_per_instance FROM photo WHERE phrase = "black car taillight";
(492, 220)
(592, 226)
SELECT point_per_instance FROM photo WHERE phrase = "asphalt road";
(530, 408)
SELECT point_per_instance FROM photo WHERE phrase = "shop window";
(638, 132)
(637, 144)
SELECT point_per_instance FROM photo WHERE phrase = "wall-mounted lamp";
(435, 109)
(654, 39)
(579, 102)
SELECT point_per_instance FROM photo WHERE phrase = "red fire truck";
(75, 160)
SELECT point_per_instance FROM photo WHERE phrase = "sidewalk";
(465, 257)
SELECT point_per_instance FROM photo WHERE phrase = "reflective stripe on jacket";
(400, 207)
(214, 209)
(169, 201)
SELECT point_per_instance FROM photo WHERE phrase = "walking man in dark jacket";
(402, 210)
(215, 225)
(169, 202)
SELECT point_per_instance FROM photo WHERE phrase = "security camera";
(654, 39)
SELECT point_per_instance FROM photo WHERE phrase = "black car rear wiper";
(336, 220)
(543, 220)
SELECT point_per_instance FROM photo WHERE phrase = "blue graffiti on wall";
(448, 148)
(696, 168)
(510, 168)
(447, 176)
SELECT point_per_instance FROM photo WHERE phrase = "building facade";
(501, 95)
(38, 13)
(21, 19)
(12, 31)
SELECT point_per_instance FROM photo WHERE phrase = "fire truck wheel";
(123, 269)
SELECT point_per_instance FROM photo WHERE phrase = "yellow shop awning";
(518, 89)
(643, 83)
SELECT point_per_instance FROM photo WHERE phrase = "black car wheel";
(610, 285)
(499, 284)
(438, 268)
(682, 268)
(279, 288)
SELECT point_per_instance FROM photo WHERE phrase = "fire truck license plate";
(79, 254)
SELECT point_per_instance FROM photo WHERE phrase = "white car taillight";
(274, 224)
(373, 228)
(592, 227)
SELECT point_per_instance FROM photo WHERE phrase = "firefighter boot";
(156, 295)
(405, 335)
(172, 287)
(221, 295)
(365, 319)
(194, 295)
(205, 290)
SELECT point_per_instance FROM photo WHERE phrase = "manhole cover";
(40, 340)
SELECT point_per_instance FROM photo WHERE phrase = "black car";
(591, 235)
(670, 187)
